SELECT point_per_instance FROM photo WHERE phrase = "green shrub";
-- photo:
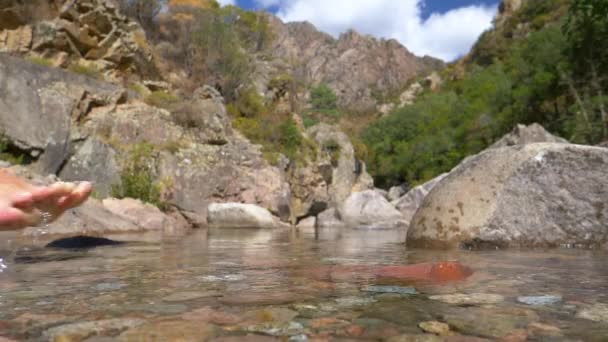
(138, 88)
(138, 176)
(290, 139)
(250, 103)
(41, 61)
(9, 157)
(333, 149)
(309, 120)
(85, 70)
(162, 99)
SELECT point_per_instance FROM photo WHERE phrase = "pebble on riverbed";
(539, 300)
(469, 299)
(390, 289)
(434, 327)
(596, 312)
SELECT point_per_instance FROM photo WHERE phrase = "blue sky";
(441, 28)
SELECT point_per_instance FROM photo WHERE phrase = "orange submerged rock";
(434, 272)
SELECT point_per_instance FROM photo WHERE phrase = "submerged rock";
(82, 242)
(435, 327)
(539, 300)
(390, 289)
(544, 194)
(596, 312)
(170, 331)
(82, 330)
(469, 299)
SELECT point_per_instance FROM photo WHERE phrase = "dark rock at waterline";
(82, 242)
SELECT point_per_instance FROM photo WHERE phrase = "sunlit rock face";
(543, 194)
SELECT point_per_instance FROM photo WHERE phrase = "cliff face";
(87, 36)
(357, 67)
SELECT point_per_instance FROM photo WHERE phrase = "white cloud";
(443, 35)
(226, 2)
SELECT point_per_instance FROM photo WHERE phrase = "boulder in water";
(238, 215)
(370, 209)
(536, 195)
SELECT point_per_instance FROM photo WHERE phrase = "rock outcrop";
(522, 135)
(238, 215)
(543, 194)
(354, 66)
(369, 209)
(39, 106)
(330, 178)
(88, 35)
(84, 129)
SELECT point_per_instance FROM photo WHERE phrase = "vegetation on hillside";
(546, 64)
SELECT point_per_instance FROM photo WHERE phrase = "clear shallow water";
(261, 285)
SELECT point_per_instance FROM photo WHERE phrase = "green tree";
(324, 100)
(587, 31)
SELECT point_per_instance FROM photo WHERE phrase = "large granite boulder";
(544, 194)
(238, 215)
(369, 209)
(410, 202)
(94, 161)
(145, 215)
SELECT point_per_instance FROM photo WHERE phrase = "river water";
(236, 285)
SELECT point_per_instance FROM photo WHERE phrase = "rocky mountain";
(360, 69)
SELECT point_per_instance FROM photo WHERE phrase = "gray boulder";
(544, 194)
(238, 215)
(145, 215)
(85, 165)
(410, 202)
(329, 218)
(369, 209)
(91, 218)
(307, 223)
(396, 192)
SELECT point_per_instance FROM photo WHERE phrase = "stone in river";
(539, 300)
(390, 289)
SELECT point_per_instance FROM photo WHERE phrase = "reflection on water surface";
(264, 285)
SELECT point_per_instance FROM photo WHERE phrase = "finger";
(80, 194)
(13, 218)
(24, 200)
